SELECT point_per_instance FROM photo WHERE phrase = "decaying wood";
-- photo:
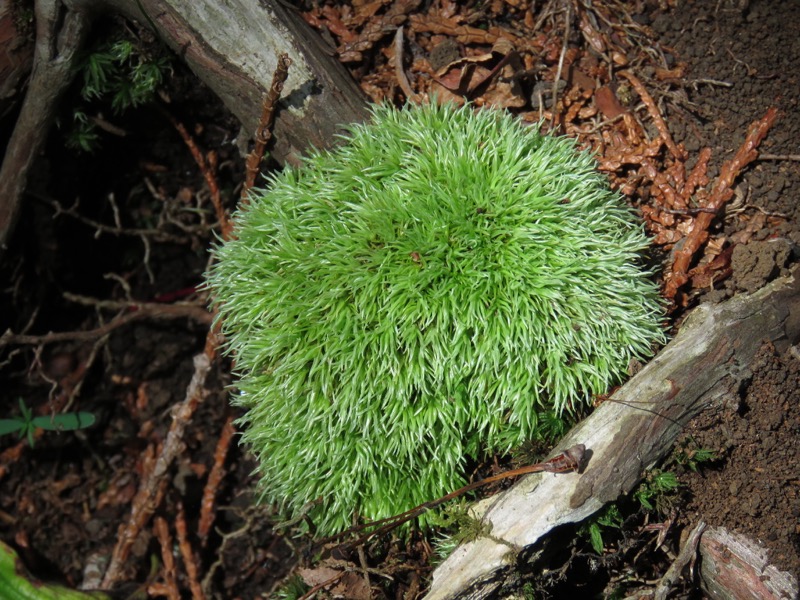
(734, 567)
(701, 368)
(59, 36)
(234, 46)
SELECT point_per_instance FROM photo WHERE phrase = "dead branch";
(687, 555)
(735, 567)
(264, 132)
(153, 483)
(189, 559)
(207, 505)
(655, 114)
(137, 311)
(170, 585)
(207, 170)
(60, 32)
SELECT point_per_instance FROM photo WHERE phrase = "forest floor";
(132, 220)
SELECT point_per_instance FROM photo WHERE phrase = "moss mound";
(422, 294)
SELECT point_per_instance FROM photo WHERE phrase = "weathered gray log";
(702, 367)
(734, 567)
(233, 46)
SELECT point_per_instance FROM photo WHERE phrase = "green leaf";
(596, 538)
(17, 584)
(10, 426)
(65, 422)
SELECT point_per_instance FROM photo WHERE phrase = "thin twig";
(720, 194)
(569, 460)
(685, 556)
(207, 171)
(170, 589)
(399, 72)
(655, 114)
(264, 132)
(567, 19)
(153, 484)
(189, 560)
(765, 156)
(136, 312)
(215, 476)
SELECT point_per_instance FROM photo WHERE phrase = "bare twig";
(399, 72)
(214, 478)
(60, 31)
(207, 171)
(720, 194)
(765, 156)
(136, 312)
(686, 555)
(170, 588)
(570, 460)
(153, 484)
(655, 114)
(189, 560)
(564, 44)
(264, 131)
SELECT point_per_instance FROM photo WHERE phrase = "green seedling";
(441, 286)
(119, 72)
(657, 491)
(27, 423)
(693, 458)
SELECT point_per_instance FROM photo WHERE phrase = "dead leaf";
(607, 103)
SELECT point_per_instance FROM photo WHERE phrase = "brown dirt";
(63, 501)
(755, 488)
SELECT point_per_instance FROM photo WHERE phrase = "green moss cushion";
(420, 295)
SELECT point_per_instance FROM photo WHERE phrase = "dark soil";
(755, 487)
(63, 501)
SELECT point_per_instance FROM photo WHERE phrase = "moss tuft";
(420, 295)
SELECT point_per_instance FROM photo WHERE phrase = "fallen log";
(734, 567)
(700, 369)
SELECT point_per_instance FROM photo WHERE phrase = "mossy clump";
(420, 295)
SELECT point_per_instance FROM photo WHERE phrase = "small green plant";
(430, 291)
(657, 491)
(293, 589)
(456, 525)
(17, 584)
(609, 518)
(693, 458)
(26, 424)
(120, 72)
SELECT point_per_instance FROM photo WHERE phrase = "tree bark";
(736, 568)
(701, 368)
(233, 47)
(60, 33)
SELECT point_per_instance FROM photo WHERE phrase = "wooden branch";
(234, 46)
(59, 36)
(702, 367)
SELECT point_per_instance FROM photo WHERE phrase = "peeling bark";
(734, 567)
